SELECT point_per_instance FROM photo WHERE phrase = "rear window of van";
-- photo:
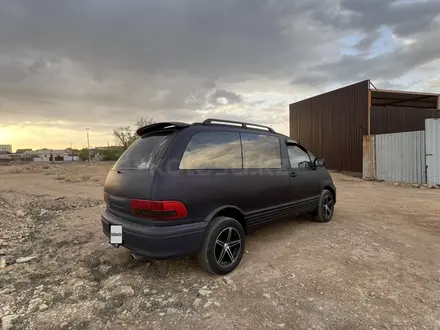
(143, 153)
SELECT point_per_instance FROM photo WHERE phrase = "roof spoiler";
(290, 141)
(159, 127)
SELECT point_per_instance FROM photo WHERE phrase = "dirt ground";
(376, 265)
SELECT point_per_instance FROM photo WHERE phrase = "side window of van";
(298, 157)
(261, 151)
(213, 150)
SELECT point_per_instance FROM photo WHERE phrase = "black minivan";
(198, 189)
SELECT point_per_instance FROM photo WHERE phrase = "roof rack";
(242, 124)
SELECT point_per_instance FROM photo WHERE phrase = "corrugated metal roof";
(382, 97)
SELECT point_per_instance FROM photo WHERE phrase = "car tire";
(223, 246)
(326, 207)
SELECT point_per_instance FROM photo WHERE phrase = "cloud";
(367, 42)
(414, 21)
(111, 62)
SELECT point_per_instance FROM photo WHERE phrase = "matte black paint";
(260, 195)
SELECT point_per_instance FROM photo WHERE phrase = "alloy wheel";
(327, 206)
(227, 247)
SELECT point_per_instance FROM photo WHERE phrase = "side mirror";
(318, 162)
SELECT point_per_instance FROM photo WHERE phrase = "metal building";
(332, 125)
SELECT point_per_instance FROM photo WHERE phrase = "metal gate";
(432, 128)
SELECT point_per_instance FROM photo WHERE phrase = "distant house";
(22, 151)
(41, 155)
(52, 155)
(72, 152)
(5, 155)
(6, 148)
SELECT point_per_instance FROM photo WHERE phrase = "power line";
(282, 122)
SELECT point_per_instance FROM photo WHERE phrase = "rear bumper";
(157, 242)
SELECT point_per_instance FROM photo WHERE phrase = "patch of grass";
(95, 275)
(93, 259)
(67, 293)
(38, 276)
(19, 323)
(20, 285)
(57, 298)
(147, 306)
(60, 244)
(112, 304)
(78, 325)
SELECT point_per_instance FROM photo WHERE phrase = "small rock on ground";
(43, 307)
(126, 290)
(25, 259)
(204, 292)
(197, 303)
(20, 213)
(8, 321)
(172, 311)
(227, 280)
(266, 295)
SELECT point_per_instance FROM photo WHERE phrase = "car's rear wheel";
(326, 207)
(223, 246)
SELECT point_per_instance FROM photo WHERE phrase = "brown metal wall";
(397, 119)
(332, 125)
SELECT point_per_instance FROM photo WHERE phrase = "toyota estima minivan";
(198, 189)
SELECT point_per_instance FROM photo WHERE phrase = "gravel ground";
(375, 266)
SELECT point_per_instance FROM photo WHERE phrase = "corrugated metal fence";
(432, 127)
(401, 157)
(410, 157)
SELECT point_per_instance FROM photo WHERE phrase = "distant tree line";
(125, 136)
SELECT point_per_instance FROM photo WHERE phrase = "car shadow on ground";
(257, 241)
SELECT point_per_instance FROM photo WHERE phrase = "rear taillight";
(158, 209)
(106, 198)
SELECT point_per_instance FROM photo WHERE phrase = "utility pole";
(88, 144)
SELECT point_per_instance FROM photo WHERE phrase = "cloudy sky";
(66, 65)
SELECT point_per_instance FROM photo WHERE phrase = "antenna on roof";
(282, 122)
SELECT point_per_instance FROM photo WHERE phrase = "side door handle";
(292, 173)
